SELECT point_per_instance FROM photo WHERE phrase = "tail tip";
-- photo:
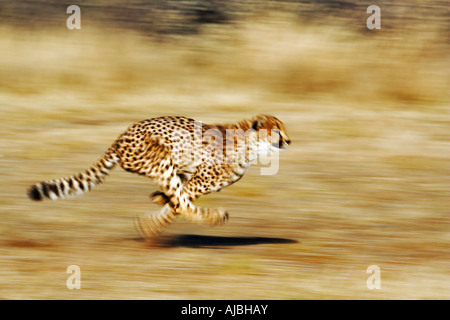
(34, 194)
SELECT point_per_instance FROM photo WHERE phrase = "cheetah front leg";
(194, 213)
(182, 204)
(182, 193)
(177, 200)
(150, 225)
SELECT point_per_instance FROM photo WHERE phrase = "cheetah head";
(274, 135)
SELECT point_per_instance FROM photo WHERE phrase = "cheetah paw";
(146, 227)
(218, 217)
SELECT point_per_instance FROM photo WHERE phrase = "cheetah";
(186, 158)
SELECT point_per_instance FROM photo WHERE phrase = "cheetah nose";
(286, 144)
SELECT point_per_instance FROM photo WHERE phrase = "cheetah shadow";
(203, 241)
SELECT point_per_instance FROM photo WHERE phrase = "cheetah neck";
(243, 125)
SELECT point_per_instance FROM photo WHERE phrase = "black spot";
(79, 183)
(45, 190)
(62, 187)
(98, 180)
(53, 188)
(34, 194)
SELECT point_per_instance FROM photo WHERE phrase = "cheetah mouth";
(276, 146)
(280, 146)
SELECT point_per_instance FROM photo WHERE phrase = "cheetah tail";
(76, 184)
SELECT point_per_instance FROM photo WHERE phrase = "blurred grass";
(365, 182)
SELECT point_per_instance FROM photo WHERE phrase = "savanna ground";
(365, 181)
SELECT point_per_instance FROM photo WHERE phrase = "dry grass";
(365, 182)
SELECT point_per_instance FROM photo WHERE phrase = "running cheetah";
(186, 158)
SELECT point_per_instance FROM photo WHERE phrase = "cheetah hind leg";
(150, 225)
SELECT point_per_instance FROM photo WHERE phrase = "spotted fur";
(184, 157)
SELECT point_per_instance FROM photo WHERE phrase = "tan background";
(365, 181)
